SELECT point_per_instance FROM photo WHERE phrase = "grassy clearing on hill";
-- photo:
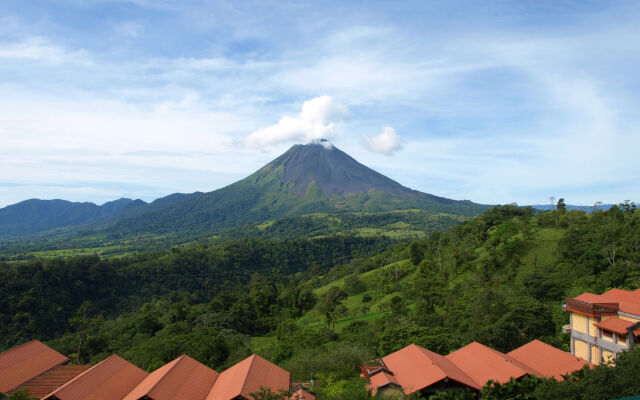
(541, 250)
(397, 225)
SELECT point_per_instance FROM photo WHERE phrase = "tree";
(612, 232)
(84, 325)
(523, 320)
(353, 284)
(329, 303)
(19, 395)
(416, 253)
(268, 394)
(397, 306)
(595, 206)
(561, 207)
(438, 340)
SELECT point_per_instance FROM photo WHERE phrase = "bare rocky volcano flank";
(335, 172)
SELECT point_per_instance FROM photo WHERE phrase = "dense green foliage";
(19, 395)
(39, 297)
(319, 308)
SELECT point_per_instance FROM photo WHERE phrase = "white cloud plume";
(387, 142)
(316, 121)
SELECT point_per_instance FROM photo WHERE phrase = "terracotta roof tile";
(25, 362)
(592, 298)
(547, 360)
(416, 368)
(248, 376)
(52, 379)
(382, 379)
(615, 324)
(182, 379)
(484, 364)
(111, 379)
(302, 394)
(624, 295)
(628, 302)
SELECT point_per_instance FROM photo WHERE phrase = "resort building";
(112, 378)
(46, 375)
(601, 326)
(416, 369)
(22, 364)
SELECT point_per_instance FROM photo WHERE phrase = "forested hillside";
(39, 297)
(321, 307)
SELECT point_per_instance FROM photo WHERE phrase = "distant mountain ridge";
(34, 215)
(316, 177)
(571, 207)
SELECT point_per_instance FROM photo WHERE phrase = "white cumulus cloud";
(316, 121)
(387, 142)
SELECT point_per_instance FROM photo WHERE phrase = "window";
(622, 339)
(607, 334)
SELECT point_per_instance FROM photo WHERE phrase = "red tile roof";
(628, 302)
(37, 368)
(25, 362)
(302, 394)
(484, 364)
(52, 379)
(615, 324)
(248, 376)
(547, 360)
(182, 379)
(111, 379)
(415, 368)
(382, 379)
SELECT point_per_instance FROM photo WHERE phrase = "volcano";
(316, 177)
(311, 178)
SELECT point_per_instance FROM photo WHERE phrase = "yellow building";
(603, 325)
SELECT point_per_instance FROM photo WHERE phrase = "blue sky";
(494, 102)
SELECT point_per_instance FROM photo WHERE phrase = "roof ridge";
(177, 361)
(436, 363)
(472, 350)
(251, 364)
